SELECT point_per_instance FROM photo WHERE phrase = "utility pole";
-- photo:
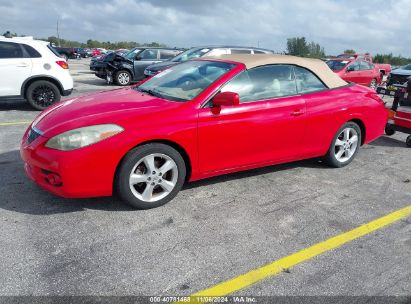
(58, 33)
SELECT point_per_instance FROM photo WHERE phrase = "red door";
(268, 131)
(353, 73)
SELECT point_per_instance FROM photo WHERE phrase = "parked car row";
(140, 63)
(76, 53)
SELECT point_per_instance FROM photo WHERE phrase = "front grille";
(33, 135)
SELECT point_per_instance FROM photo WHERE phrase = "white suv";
(33, 70)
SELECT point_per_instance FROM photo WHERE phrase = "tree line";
(90, 43)
(297, 46)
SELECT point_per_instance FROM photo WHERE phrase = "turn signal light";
(63, 64)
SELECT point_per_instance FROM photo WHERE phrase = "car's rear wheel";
(408, 141)
(344, 146)
(42, 94)
(373, 84)
(150, 176)
(123, 78)
(389, 130)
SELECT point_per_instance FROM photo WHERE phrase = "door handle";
(22, 65)
(297, 113)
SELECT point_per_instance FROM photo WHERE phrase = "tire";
(123, 78)
(344, 146)
(373, 84)
(42, 93)
(147, 189)
(389, 131)
(408, 141)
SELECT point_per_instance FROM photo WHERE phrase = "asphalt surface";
(213, 230)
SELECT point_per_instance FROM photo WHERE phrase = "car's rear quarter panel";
(327, 111)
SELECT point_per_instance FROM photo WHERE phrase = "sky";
(376, 26)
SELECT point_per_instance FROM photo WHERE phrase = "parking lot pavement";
(214, 230)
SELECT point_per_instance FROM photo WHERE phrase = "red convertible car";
(199, 119)
(358, 71)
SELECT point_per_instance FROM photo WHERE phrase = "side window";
(355, 66)
(259, 52)
(31, 51)
(149, 54)
(263, 82)
(167, 54)
(364, 65)
(10, 50)
(240, 51)
(217, 52)
(307, 82)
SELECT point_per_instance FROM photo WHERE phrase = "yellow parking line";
(276, 267)
(13, 123)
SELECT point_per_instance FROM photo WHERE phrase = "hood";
(99, 108)
(161, 66)
(401, 72)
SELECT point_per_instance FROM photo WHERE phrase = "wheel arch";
(32, 79)
(170, 143)
(361, 124)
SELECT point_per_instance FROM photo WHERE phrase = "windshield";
(132, 54)
(185, 81)
(190, 54)
(337, 65)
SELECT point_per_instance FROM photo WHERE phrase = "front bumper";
(86, 172)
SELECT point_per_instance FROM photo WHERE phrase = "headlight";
(81, 137)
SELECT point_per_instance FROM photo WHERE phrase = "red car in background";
(356, 70)
(384, 68)
(95, 52)
(198, 119)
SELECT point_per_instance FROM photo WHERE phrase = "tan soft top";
(317, 66)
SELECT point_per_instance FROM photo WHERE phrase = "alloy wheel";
(123, 78)
(346, 144)
(44, 95)
(153, 177)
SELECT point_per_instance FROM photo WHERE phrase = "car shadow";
(16, 104)
(19, 194)
(386, 141)
(307, 163)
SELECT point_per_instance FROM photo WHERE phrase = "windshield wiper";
(149, 92)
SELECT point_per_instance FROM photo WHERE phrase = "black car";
(65, 52)
(197, 52)
(124, 70)
(98, 64)
(399, 76)
(82, 52)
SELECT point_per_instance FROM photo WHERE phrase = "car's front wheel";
(42, 94)
(150, 176)
(344, 146)
(123, 78)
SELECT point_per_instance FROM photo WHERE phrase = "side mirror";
(138, 57)
(226, 99)
(350, 69)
